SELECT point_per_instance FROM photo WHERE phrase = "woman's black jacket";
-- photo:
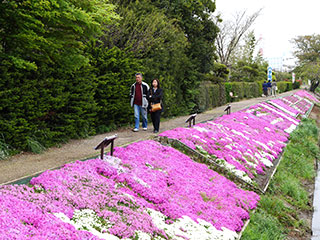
(155, 97)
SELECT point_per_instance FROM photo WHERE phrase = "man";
(265, 88)
(274, 87)
(139, 94)
(269, 87)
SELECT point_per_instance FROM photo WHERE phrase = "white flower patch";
(276, 121)
(287, 101)
(262, 114)
(143, 236)
(262, 144)
(267, 129)
(307, 100)
(141, 182)
(251, 164)
(228, 146)
(201, 150)
(87, 219)
(265, 155)
(197, 137)
(240, 134)
(264, 160)
(252, 110)
(221, 162)
(239, 152)
(252, 157)
(201, 129)
(186, 228)
(114, 162)
(290, 129)
(241, 174)
(261, 158)
(219, 126)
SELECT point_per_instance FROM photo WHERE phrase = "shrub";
(284, 86)
(251, 89)
(296, 84)
(211, 95)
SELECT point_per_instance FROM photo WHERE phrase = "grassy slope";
(284, 210)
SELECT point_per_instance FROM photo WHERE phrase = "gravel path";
(28, 164)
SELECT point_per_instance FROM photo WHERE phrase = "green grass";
(287, 195)
(263, 226)
(34, 146)
(5, 149)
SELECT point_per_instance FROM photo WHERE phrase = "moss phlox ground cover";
(151, 191)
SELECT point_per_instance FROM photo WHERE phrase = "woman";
(155, 96)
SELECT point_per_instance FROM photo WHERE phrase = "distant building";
(276, 63)
(282, 64)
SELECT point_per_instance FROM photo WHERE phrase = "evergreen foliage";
(47, 95)
(67, 66)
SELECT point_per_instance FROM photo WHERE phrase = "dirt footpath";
(28, 164)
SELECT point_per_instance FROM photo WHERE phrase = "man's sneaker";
(145, 129)
(135, 130)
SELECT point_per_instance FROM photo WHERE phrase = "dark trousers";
(265, 92)
(155, 117)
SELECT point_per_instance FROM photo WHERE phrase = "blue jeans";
(137, 110)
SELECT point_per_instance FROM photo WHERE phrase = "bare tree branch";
(231, 32)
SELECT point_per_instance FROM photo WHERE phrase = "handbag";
(155, 107)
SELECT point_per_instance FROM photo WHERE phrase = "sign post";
(293, 77)
(192, 118)
(104, 143)
(269, 73)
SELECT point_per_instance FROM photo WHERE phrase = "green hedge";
(284, 86)
(242, 90)
(211, 95)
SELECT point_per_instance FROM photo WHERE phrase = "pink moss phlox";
(20, 219)
(183, 186)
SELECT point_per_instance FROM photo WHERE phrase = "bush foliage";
(67, 66)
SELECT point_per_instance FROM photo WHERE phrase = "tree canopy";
(308, 54)
(67, 66)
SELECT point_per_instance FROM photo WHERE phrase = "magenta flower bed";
(274, 116)
(21, 217)
(284, 106)
(119, 190)
(298, 103)
(93, 185)
(303, 106)
(292, 99)
(307, 95)
(241, 139)
(178, 186)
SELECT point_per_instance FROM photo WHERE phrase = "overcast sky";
(279, 22)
